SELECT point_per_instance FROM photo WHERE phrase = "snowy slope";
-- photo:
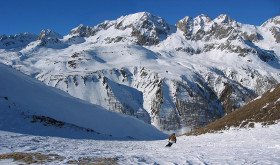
(23, 94)
(176, 77)
(246, 146)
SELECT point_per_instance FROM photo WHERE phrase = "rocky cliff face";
(178, 78)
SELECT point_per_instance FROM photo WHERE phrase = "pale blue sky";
(63, 15)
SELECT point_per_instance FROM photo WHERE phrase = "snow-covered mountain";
(141, 28)
(21, 40)
(175, 77)
(26, 102)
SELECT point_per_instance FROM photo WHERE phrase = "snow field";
(257, 145)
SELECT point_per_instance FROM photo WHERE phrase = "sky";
(61, 16)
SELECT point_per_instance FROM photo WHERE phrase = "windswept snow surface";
(258, 145)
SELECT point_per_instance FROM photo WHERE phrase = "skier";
(172, 139)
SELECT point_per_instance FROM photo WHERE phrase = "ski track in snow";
(247, 146)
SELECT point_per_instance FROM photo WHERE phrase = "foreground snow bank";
(33, 97)
(246, 146)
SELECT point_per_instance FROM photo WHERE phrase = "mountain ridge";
(177, 77)
(106, 24)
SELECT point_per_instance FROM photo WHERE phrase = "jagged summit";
(272, 22)
(48, 34)
(186, 25)
(82, 31)
(18, 40)
(204, 28)
(186, 19)
(148, 29)
(201, 19)
(26, 34)
(204, 19)
(141, 20)
(225, 19)
(50, 38)
(274, 27)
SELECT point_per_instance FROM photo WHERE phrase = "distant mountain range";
(176, 77)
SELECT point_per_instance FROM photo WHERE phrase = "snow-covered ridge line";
(177, 77)
(127, 21)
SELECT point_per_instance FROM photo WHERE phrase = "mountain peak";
(142, 14)
(225, 19)
(186, 26)
(204, 17)
(146, 27)
(138, 19)
(80, 26)
(47, 33)
(21, 35)
(186, 19)
(275, 21)
(82, 31)
(17, 40)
